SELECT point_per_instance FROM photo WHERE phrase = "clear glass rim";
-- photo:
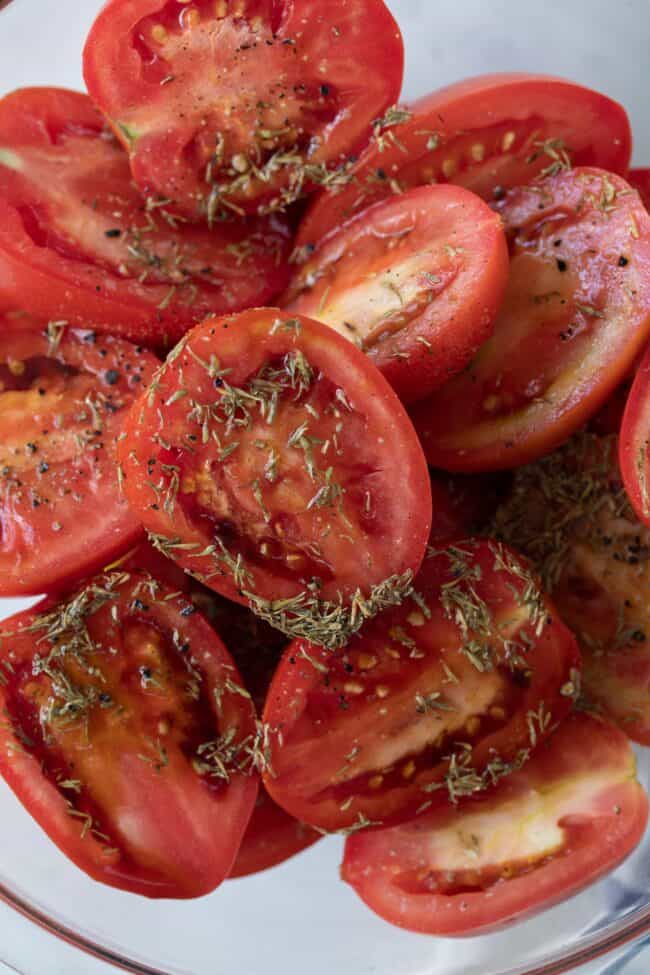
(627, 930)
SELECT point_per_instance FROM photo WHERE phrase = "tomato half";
(575, 316)
(432, 701)
(262, 460)
(489, 134)
(464, 504)
(635, 442)
(244, 106)
(570, 514)
(63, 396)
(128, 736)
(415, 281)
(640, 180)
(77, 242)
(272, 837)
(571, 815)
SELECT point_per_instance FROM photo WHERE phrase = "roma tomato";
(569, 513)
(63, 396)
(575, 316)
(640, 180)
(77, 242)
(272, 836)
(415, 281)
(431, 702)
(238, 107)
(489, 134)
(635, 442)
(128, 736)
(572, 814)
(262, 460)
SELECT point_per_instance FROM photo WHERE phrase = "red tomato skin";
(640, 180)
(337, 358)
(272, 837)
(456, 428)
(159, 159)
(439, 340)
(197, 869)
(95, 528)
(373, 860)
(603, 134)
(634, 444)
(59, 285)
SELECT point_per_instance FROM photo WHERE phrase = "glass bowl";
(299, 917)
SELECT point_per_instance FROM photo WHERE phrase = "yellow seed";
(472, 725)
(415, 618)
(164, 727)
(478, 152)
(16, 367)
(353, 687)
(381, 690)
(256, 24)
(366, 661)
(295, 559)
(449, 167)
(188, 484)
(491, 403)
(220, 9)
(508, 141)
(265, 549)
(393, 652)
(158, 34)
(427, 174)
(408, 770)
(375, 782)
(240, 163)
(497, 713)
(190, 18)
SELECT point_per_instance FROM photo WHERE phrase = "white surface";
(597, 42)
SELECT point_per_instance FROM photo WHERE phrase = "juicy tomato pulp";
(416, 282)
(570, 514)
(234, 107)
(128, 735)
(63, 395)
(572, 814)
(262, 461)
(77, 242)
(635, 442)
(489, 134)
(575, 316)
(433, 701)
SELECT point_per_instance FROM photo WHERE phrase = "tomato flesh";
(232, 109)
(128, 737)
(416, 282)
(575, 316)
(63, 395)
(77, 241)
(572, 814)
(432, 701)
(489, 134)
(261, 461)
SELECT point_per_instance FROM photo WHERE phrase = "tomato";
(609, 418)
(570, 514)
(240, 107)
(272, 837)
(635, 442)
(63, 396)
(262, 460)
(640, 180)
(128, 736)
(572, 814)
(415, 281)
(77, 242)
(489, 134)
(432, 701)
(463, 504)
(576, 314)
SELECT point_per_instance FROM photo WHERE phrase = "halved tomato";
(431, 702)
(415, 281)
(262, 460)
(128, 736)
(272, 837)
(489, 134)
(570, 514)
(63, 396)
(575, 316)
(574, 813)
(635, 442)
(464, 504)
(77, 242)
(640, 180)
(232, 106)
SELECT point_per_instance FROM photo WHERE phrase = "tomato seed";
(508, 141)
(158, 34)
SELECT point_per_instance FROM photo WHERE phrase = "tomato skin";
(442, 247)
(272, 521)
(62, 402)
(121, 762)
(66, 256)
(378, 732)
(333, 71)
(573, 321)
(272, 837)
(635, 441)
(488, 112)
(640, 180)
(395, 871)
